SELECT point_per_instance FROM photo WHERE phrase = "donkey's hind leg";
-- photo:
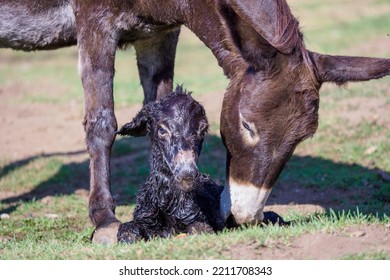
(155, 60)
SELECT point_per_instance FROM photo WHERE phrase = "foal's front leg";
(97, 46)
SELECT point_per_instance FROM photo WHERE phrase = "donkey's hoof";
(106, 235)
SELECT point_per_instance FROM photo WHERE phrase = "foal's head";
(176, 125)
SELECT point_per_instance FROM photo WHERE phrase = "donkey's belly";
(24, 28)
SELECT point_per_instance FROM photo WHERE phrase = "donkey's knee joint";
(100, 127)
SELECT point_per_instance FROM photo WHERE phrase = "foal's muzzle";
(185, 170)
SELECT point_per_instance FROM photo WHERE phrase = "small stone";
(371, 150)
(47, 199)
(358, 233)
(4, 216)
(51, 216)
(181, 235)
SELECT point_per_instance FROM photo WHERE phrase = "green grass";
(379, 255)
(59, 82)
(347, 34)
(335, 160)
(44, 238)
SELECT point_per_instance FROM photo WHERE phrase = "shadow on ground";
(305, 179)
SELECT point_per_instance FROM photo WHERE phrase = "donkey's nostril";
(231, 221)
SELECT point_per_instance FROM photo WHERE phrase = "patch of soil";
(39, 129)
(300, 209)
(337, 244)
(34, 129)
(356, 110)
(376, 47)
(212, 103)
(295, 198)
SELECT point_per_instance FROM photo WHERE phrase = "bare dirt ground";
(29, 130)
(322, 245)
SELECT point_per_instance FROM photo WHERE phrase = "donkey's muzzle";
(243, 203)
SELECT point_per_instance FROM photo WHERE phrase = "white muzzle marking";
(244, 201)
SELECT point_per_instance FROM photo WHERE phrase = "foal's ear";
(342, 69)
(138, 126)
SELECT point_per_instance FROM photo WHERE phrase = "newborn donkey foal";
(176, 198)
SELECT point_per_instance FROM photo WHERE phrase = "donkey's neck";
(209, 28)
(202, 18)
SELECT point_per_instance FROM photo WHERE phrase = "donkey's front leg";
(97, 48)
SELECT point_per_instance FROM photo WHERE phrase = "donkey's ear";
(343, 69)
(138, 126)
(271, 19)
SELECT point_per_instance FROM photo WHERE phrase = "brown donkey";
(270, 106)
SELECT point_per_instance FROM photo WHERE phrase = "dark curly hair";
(175, 198)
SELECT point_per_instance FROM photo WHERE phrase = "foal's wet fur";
(175, 198)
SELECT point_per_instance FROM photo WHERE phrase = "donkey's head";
(176, 125)
(272, 103)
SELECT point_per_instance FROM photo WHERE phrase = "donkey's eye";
(247, 127)
(162, 131)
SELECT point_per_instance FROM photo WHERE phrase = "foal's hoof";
(273, 218)
(106, 235)
(129, 233)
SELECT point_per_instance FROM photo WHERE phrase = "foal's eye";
(162, 131)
